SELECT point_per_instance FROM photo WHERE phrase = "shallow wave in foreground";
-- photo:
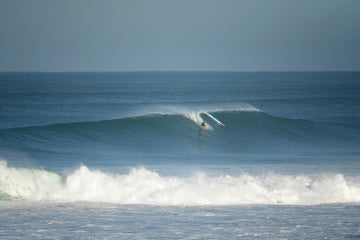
(141, 186)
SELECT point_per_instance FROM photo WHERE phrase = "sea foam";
(141, 186)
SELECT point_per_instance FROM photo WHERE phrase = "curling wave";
(246, 130)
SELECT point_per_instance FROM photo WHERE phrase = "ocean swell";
(246, 130)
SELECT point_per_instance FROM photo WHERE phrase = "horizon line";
(138, 71)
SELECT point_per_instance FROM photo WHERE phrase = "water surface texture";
(124, 156)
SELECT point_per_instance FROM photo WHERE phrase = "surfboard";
(213, 118)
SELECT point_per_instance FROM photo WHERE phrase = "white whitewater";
(141, 186)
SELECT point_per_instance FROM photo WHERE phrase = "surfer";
(203, 125)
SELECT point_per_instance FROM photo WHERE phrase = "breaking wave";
(141, 186)
(246, 130)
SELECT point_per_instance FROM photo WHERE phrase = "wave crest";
(246, 131)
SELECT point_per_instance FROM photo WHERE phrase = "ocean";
(122, 155)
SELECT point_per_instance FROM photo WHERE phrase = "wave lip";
(141, 186)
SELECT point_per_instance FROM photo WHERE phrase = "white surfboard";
(213, 118)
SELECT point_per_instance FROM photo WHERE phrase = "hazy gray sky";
(242, 35)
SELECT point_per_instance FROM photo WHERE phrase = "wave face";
(246, 130)
(142, 186)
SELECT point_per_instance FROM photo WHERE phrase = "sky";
(184, 35)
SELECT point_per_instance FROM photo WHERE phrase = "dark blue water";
(291, 138)
(69, 117)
